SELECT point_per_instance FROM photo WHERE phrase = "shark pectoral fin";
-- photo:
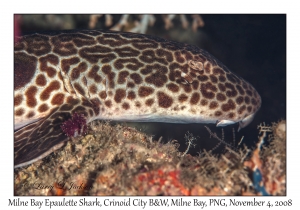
(246, 121)
(37, 140)
(224, 123)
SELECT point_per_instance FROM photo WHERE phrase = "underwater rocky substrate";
(119, 160)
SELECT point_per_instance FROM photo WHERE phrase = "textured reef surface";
(118, 160)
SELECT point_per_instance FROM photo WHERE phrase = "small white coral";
(280, 129)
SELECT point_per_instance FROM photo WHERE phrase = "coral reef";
(268, 163)
(118, 160)
(129, 23)
(141, 23)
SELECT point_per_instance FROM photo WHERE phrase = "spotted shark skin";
(117, 76)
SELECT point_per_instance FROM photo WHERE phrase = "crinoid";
(75, 126)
